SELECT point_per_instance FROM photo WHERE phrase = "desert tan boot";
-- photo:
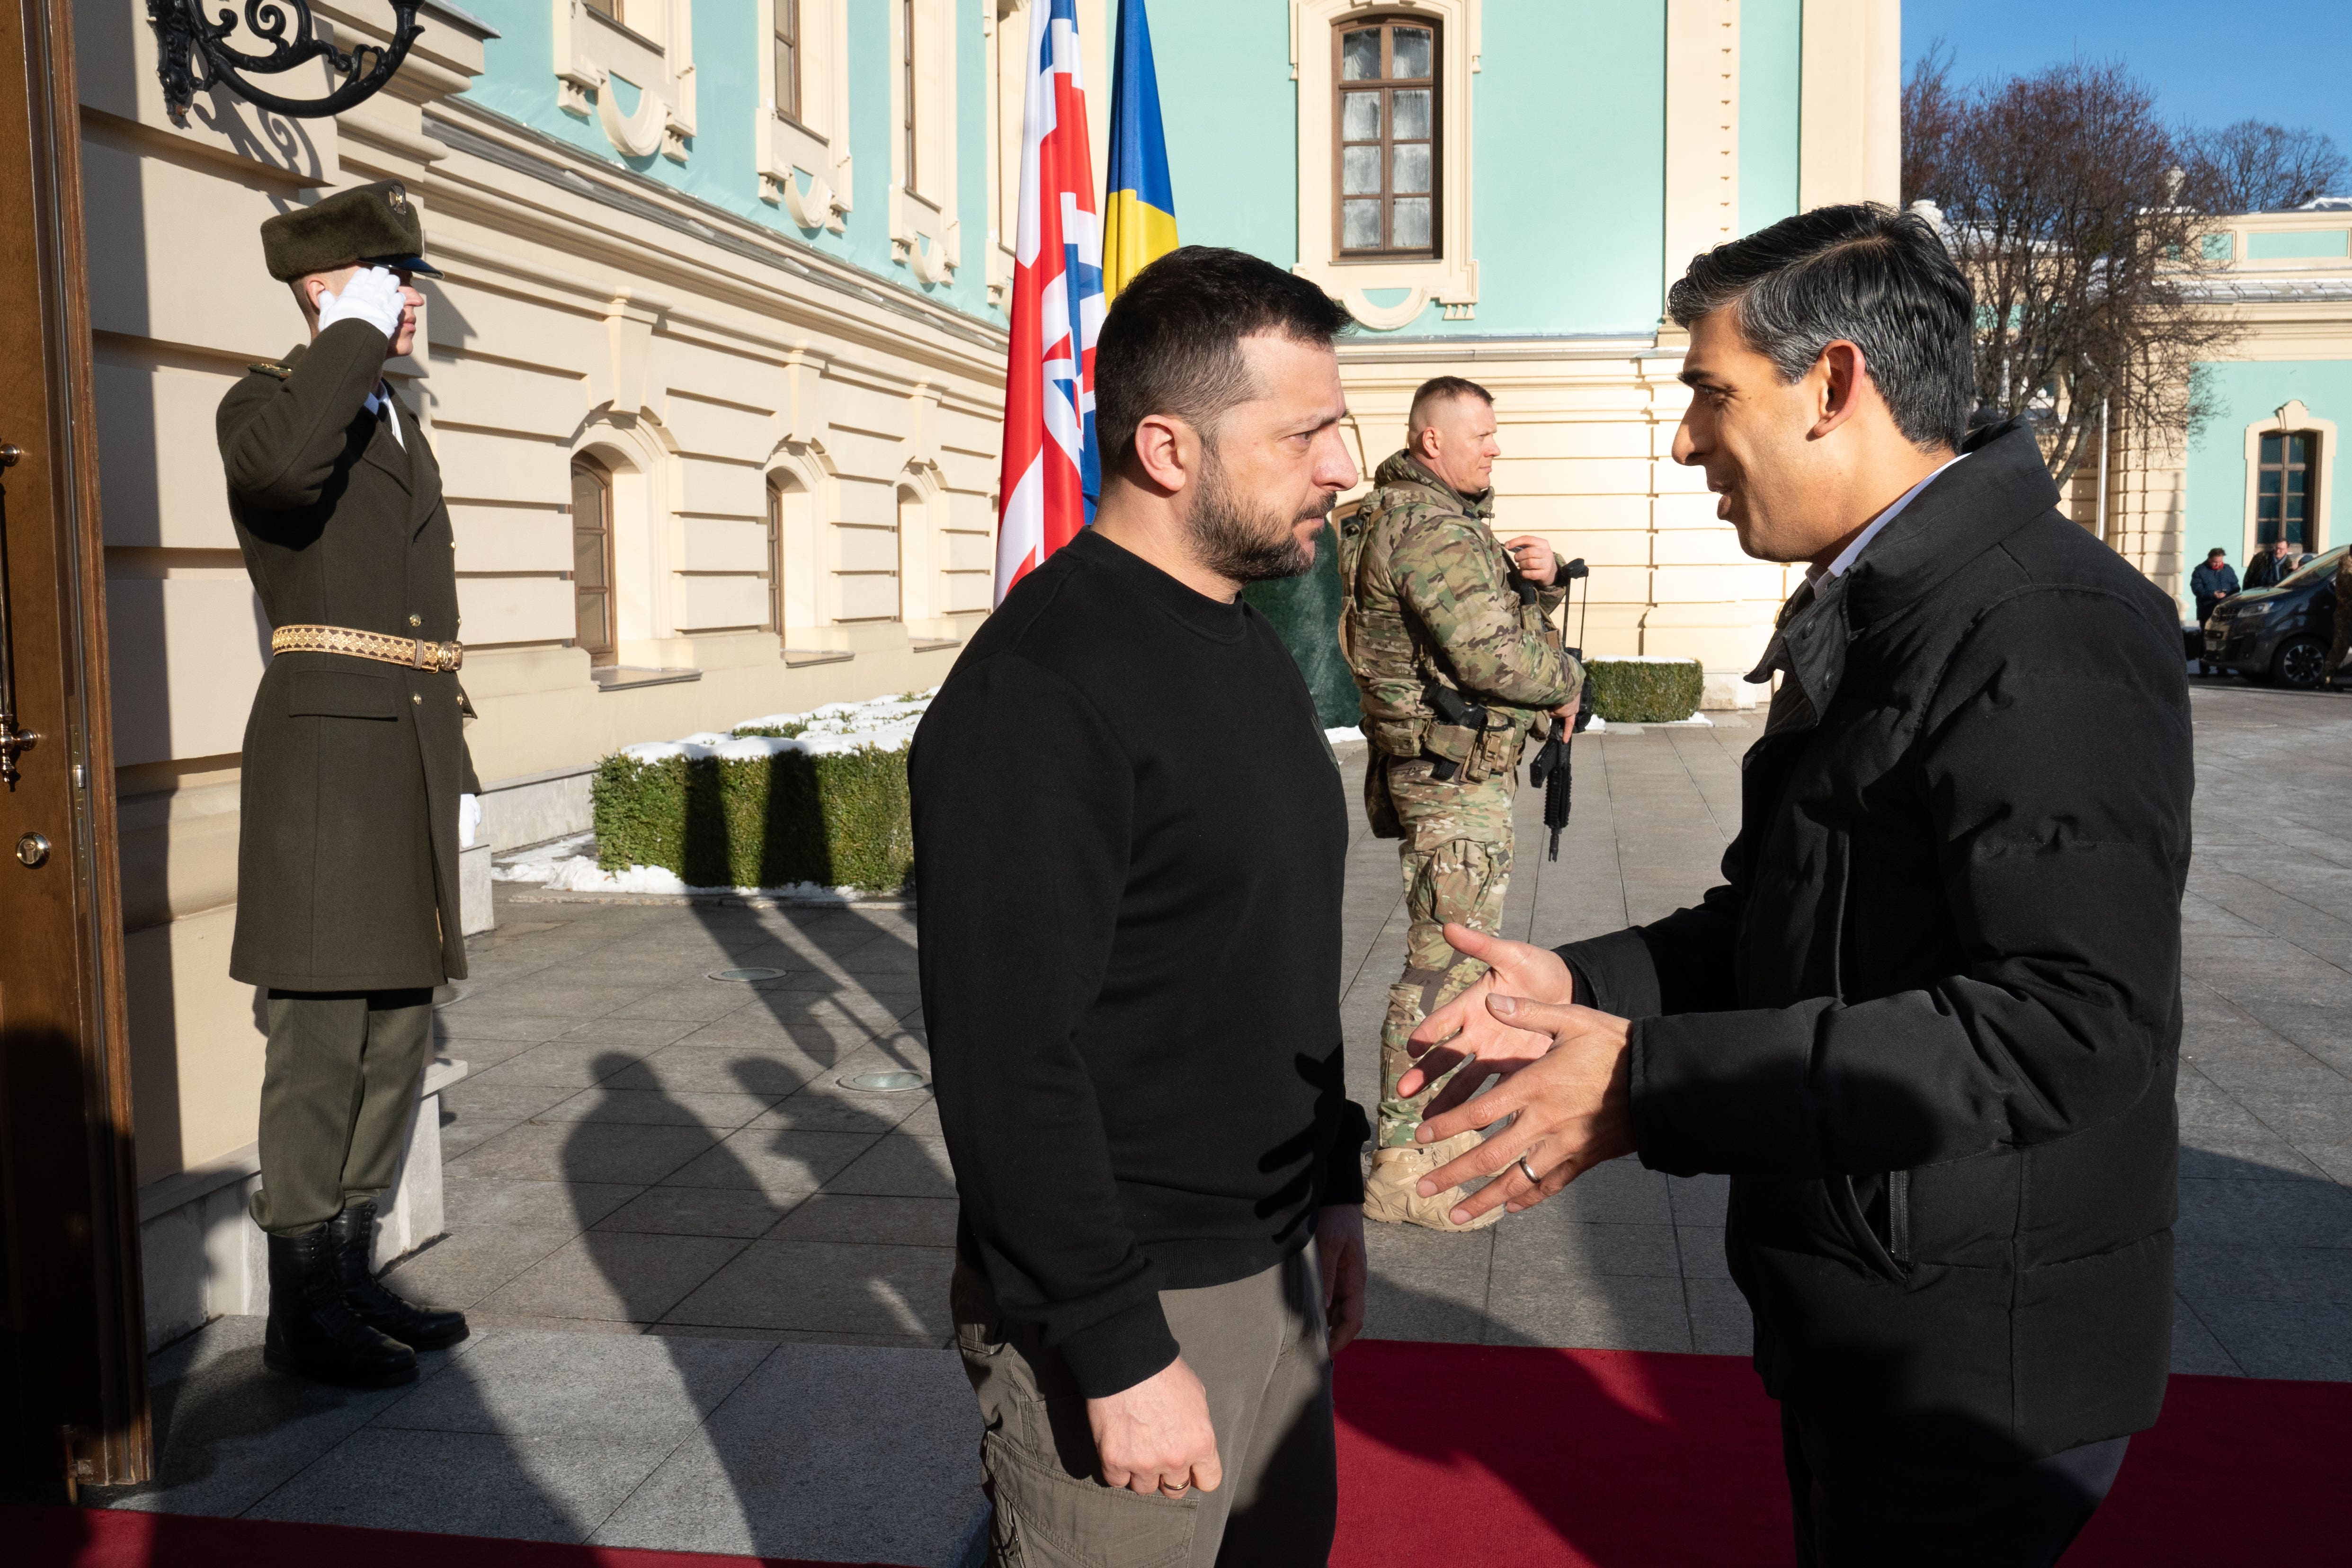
(1392, 1192)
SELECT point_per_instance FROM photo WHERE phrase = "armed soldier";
(1457, 667)
(356, 774)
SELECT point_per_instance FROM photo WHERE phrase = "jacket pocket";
(1889, 1256)
(340, 694)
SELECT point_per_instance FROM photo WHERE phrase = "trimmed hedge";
(838, 819)
(1643, 690)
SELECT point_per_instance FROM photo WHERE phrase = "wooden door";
(73, 1375)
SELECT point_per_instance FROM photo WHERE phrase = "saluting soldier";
(1457, 668)
(355, 767)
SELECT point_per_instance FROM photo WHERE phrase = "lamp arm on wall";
(185, 33)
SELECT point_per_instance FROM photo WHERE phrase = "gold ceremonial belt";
(415, 652)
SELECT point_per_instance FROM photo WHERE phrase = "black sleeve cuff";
(1615, 974)
(1343, 1175)
(1121, 1351)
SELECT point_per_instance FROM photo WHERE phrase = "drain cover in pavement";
(746, 974)
(885, 1082)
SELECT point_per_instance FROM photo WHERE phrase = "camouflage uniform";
(1432, 606)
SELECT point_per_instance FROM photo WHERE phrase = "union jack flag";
(1052, 468)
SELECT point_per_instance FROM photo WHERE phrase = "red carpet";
(1541, 1458)
(1516, 1458)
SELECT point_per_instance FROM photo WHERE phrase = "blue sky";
(2209, 64)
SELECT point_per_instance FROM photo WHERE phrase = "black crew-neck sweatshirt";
(1130, 839)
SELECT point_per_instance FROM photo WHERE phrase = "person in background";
(2342, 643)
(1133, 839)
(2208, 586)
(1447, 631)
(357, 786)
(2268, 565)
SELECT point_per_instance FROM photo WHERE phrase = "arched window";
(591, 559)
(1384, 137)
(2286, 489)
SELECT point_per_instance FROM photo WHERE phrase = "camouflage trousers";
(1456, 860)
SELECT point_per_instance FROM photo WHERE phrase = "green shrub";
(838, 819)
(1643, 690)
(784, 730)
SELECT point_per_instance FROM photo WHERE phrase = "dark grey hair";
(1864, 273)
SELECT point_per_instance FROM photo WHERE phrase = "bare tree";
(2066, 201)
(2256, 167)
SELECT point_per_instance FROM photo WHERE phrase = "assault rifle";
(1550, 771)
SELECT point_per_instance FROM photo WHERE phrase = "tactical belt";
(415, 653)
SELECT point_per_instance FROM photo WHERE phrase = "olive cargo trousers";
(1257, 1346)
(1457, 861)
(338, 1086)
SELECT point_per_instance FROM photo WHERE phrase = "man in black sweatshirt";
(1129, 837)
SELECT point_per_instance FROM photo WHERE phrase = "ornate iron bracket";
(286, 26)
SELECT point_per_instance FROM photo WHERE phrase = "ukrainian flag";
(1139, 217)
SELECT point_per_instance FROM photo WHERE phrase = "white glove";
(469, 818)
(374, 297)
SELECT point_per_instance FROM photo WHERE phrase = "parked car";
(2279, 635)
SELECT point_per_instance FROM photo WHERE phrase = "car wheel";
(2299, 663)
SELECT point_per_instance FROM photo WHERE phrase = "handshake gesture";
(1566, 1074)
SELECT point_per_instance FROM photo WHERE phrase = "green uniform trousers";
(1457, 861)
(338, 1085)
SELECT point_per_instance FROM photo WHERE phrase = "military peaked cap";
(374, 226)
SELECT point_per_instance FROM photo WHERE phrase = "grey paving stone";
(620, 1387)
(504, 1103)
(898, 1221)
(462, 1022)
(883, 1465)
(825, 1285)
(658, 1107)
(228, 1432)
(456, 1272)
(1582, 1249)
(2212, 1272)
(584, 1152)
(614, 1276)
(773, 1162)
(1427, 1285)
(458, 1137)
(467, 1483)
(899, 1166)
(818, 1109)
(1621, 1312)
(738, 1211)
(473, 1201)
(1619, 1191)
(2194, 1348)
(1701, 1249)
(529, 998)
(639, 1036)
(693, 1001)
(2283, 1212)
(771, 1070)
(1699, 1200)
(2283, 1338)
(558, 1063)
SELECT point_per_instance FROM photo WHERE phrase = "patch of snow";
(581, 874)
(1341, 737)
(536, 865)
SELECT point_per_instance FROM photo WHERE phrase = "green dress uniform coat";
(347, 865)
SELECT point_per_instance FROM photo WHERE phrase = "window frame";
(1388, 293)
(2308, 467)
(785, 34)
(1388, 86)
(588, 466)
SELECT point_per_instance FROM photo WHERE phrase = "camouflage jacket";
(1431, 602)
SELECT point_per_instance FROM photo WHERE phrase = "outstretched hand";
(1574, 1109)
(1465, 1027)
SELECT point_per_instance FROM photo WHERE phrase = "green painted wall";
(721, 166)
(2241, 393)
(1231, 114)
(1771, 90)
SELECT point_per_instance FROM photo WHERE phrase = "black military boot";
(313, 1332)
(354, 1237)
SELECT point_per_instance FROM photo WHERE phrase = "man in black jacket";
(1929, 1024)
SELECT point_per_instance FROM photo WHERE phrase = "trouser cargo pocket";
(1046, 1518)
